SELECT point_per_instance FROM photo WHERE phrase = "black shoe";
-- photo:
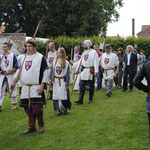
(78, 102)
(108, 94)
(59, 113)
(89, 102)
(64, 112)
(124, 90)
(130, 90)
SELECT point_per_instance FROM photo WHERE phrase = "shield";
(58, 70)
(28, 65)
(86, 56)
(106, 61)
(51, 60)
(6, 63)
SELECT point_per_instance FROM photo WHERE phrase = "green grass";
(115, 123)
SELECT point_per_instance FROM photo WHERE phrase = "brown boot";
(31, 126)
(41, 123)
(0, 108)
(14, 106)
(29, 130)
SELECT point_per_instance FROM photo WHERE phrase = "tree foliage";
(59, 17)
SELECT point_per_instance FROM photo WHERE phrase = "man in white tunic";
(33, 78)
(8, 66)
(52, 55)
(89, 63)
(109, 63)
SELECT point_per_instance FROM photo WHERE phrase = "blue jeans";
(147, 107)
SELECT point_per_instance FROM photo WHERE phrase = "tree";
(59, 17)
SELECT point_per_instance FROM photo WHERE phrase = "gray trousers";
(109, 85)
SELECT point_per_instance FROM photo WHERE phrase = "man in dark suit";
(130, 67)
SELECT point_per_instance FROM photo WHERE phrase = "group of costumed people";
(33, 72)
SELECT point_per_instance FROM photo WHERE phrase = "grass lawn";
(115, 123)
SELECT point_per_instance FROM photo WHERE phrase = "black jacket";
(133, 61)
(144, 72)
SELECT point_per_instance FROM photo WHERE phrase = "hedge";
(68, 43)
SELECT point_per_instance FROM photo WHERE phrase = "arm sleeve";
(43, 70)
(15, 62)
(51, 72)
(96, 62)
(138, 80)
(45, 75)
(67, 76)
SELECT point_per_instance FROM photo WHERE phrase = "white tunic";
(50, 58)
(7, 64)
(59, 85)
(19, 58)
(89, 59)
(108, 63)
(30, 75)
(75, 64)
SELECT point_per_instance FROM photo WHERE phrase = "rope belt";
(105, 70)
(29, 104)
(59, 78)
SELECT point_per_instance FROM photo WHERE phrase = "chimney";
(133, 27)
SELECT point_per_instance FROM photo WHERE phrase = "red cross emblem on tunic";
(58, 70)
(28, 65)
(86, 56)
(106, 61)
(51, 60)
(6, 63)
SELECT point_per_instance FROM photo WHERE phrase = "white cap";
(88, 43)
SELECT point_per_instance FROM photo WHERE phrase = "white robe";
(30, 75)
(59, 86)
(7, 64)
(109, 61)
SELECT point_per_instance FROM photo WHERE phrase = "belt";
(59, 78)
(29, 103)
(105, 70)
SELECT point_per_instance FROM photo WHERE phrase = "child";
(77, 75)
(59, 75)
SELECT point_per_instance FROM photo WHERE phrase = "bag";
(92, 70)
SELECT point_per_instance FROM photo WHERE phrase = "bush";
(68, 43)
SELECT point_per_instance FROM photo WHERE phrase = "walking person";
(144, 72)
(8, 67)
(109, 62)
(130, 68)
(118, 76)
(52, 55)
(59, 76)
(33, 77)
(142, 59)
(89, 70)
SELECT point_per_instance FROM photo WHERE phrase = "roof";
(145, 31)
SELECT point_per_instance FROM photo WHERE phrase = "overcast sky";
(138, 9)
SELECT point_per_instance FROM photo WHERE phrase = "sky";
(137, 9)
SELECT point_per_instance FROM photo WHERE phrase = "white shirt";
(129, 56)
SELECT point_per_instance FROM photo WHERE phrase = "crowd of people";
(34, 73)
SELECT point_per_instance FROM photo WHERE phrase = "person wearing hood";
(89, 70)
